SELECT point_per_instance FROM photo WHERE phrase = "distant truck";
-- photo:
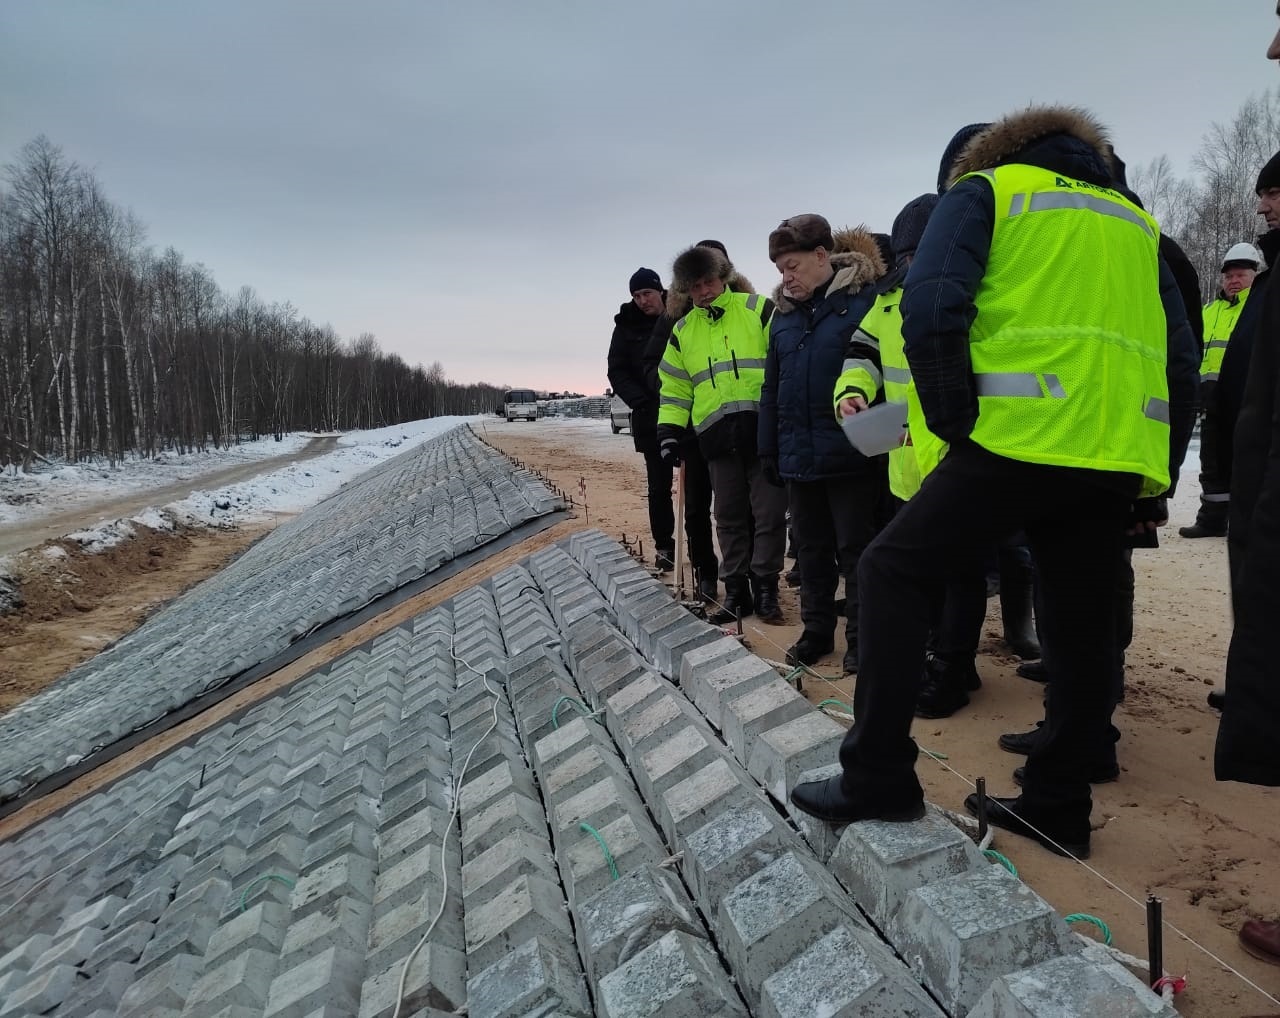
(619, 415)
(520, 404)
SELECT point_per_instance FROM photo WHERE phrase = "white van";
(520, 403)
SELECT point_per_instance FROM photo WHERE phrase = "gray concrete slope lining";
(613, 852)
(400, 521)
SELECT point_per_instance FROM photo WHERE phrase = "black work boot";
(708, 586)
(809, 648)
(1016, 584)
(946, 687)
(1211, 521)
(767, 607)
(665, 559)
(737, 601)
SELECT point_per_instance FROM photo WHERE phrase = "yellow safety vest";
(714, 362)
(908, 464)
(1069, 343)
(1220, 317)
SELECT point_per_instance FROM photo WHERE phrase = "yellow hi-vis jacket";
(713, 368)
(1069, 342)
(1220, 317)
(911, 463)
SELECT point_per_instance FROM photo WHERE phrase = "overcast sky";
(474, 183)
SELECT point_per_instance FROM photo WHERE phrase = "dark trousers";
(662, 518)
(833, 520)
(1215, 494)
(697, 509)
(751, 518)
(969, 503)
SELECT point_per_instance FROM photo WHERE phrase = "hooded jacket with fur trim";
(938, 304)
(808, 345)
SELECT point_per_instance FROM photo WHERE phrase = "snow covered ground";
(26, 498)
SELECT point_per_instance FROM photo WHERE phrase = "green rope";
(936, 756)
(578, 704)
(995, 856)
(608, 856)
(1084, 917)
(263, 879)
(838, 703)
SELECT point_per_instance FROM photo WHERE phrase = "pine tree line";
(109, 349)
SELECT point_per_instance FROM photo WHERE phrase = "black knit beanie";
(908, 228)
(1270, 174)
(644, 279)
(715, 244)
(952, 152)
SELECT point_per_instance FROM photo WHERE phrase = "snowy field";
(27, 498)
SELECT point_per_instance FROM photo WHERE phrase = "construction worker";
(834, 492)
(711, 374)
(1239, 267)
(1035, 323)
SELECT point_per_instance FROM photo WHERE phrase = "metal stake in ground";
(981, 785)
(679, 563)
(1155, 940)
(582, 488)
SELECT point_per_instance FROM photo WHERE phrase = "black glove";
(669, 451)
(1144, 512)
(769, 467)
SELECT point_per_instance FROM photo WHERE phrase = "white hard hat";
(1242, 252)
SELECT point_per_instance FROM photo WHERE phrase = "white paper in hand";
(878, 430)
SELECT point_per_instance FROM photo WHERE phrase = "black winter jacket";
(632, 329)
(1247, 734)
(938, 303)
(808, 343)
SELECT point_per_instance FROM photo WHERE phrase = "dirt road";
(17, 537)
(1166, 827)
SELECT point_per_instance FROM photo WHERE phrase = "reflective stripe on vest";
(1069, 342)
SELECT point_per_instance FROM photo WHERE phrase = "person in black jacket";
(1075, 515)
(833, 491)
(632, 328)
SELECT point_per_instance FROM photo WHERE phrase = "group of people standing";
(1046, 341)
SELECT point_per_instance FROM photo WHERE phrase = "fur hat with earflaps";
(697, 263)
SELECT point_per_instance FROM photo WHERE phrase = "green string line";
(578, 704)
(262, 879)
(838, 703)
(995, 856)
(1084, 917)
(608, 856)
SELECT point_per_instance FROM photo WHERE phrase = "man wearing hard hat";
(1239, 265)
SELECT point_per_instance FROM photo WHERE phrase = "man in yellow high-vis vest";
(1239, 267)
(1036, 320)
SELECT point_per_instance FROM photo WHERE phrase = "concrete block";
(123, 945)
(163, 989)
(43, 991)
(781, 754)
(671, 761)
(436, 984)
(410, 832)
(529, 907)
(583, 866)
(70, 950)
(611, 674)
(701, 797)
(672, 644)
(343, 924)
(847, 973)
(582, 770)
(521, 853)
(510, 813)
(635, 697)
(259, 928)
(962, 933)
(405, 880)
(346, 877)
(1072, 986)
(394, 933)
(738, 843)
(664, 715)
(677, 976)
(651, 629)
(541, 976)
(571, 737)
(775, 914)
(330, 980)
(99, 915)
(241, 981)
(630, 914)
(598, 805)
(24, 955)
(99, 995)
(711, 655)
(821, 836)
(478, 792)
(880, 863)
(714, 685)
(766, 707)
